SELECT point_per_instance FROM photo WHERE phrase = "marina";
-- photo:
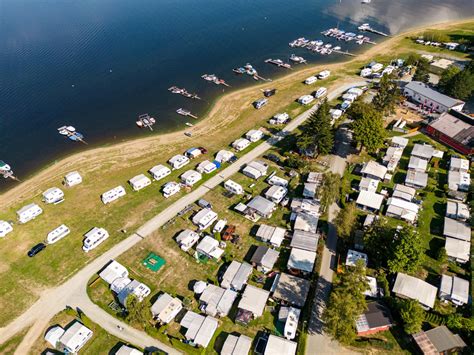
(366, 27)
(183, 92)
(183, 112)
(317, 46)
(214, 79)
(342, 35)
(71, 133)
(249, 70)
(279, 63)
(146, 121)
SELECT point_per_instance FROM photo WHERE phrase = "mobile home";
(57, 234)
(112, 195)
(171, 188)
(53, 195)
(73, 178)
(254, 135)
(158, 172)
(5, 228)
(94, 238)
(139, 182)
(29, 212)
(240, 144)
(233, 187)
(190, 177)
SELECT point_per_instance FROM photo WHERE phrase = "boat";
(189, 124)
(183, 112)
(278, 63)
(183, 92)
(327, 46)
(214, 79)
(71, 133)
(296, 59)
(337, 48)
(239, 70)
(6, 170)
(145, 121)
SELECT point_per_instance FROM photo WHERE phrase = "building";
(459, 164)
(254, 135)
(368, 184)
(53, 195)
(306, 222)
(236, 275)
(354, 256)
(190, 177)
(204, 218)
(459, 181)
(308, 206)
(199, 329)
(255, 169)
(417, 164)
(139, 182)
(458, 250)
(290, 290)
(178, 161)
(29, 212)
(454, 129)
(305, 240)
(280, 346)
(402, 209)
(416, 179)
(5, 228)
(375, 319)
(264, 258)
(404, 192)
(270, 234)
(439, 340)
(70, 340)
(456, 229)
(140, 290)
(457, 210)
(217, 301)
(438, 66)
(209, 247)
(454, 289)
(276, 193)
(252, 304)
(186, 239)
(224, 156)
(373, 170)
(369, 201)
(72, 179)
(166, 308)
(240, 144)
(128, 350)
(399, 142)
(423, 151)
(236, 345)
(113, 271)
(309, 189)
(260, 206)
(431, 99)
(301, 261)
(407, 286)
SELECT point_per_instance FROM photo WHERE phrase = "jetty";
(279, 63)
(249, 70)
(299, 60)
(214, 79)
(71, 133)
(183, 112)
(183, 92)
(6, 171)
(146, 121)
(366, 27)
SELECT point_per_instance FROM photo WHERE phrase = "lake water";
(97, 64)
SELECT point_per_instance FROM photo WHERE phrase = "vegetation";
(346, 303)
(436, 36)
(422, 70)
(330, 189)
(378, 234)
(447, 76)
(317, 134)
(345, 220)
(461, 84)
(388, 95)
(412, 315)
(137, 312)
(368, 126)
(407, 251)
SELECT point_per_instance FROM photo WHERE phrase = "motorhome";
(233, 187)
(5, 228)
(171, 188)
(139, 182)
(112, 195)
(94, 238)
(57, 234)
(53, 195)
(73, 178)
(158, 172)
(29, 212)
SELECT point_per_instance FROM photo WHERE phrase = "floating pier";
(71, 133)
(145, 121)
(214, 79)
(368, 28)
(278, 63)
(183, 92)
(183, 112)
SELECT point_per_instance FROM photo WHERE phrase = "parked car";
(233, 159)
(204, 204)
(203, 150)
(36, 249)
(272, 157)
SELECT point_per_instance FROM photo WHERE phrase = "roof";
(218, 300)
(305, 240)
(259, 165)
(113, 271)
(265, 256)
(273, 235)
(457, 209)
(353, 256)
(456, 229)
(301, 260)
(200, 329)
(460, 130)
(234, 345)
(280, 346)
(370, 199)
(306, 222)
(455, 287)
(75, 335)
(376, 316)
(416, 178)
(424, 151)
(417, 163)
(53, 335)
(275, 191)
(458, 249)
(315, 177)
(459, 164)
(204, 215)
(166, 306)
(458, 180)
(127, 350)
(291, 289)
(236, 279)
(402, 208)
(433, 95)
(374, 169)
(309, 206)
(400, 141)
(404, 192)
(254, 300)
(443, 339)
(261, 205)
(139, 179)
(135, 287)
(210, 246)
(309, 189)
(368, 184)
(411, 287)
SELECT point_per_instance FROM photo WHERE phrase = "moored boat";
(145, 121)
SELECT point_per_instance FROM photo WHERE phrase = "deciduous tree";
(345, 220)
(137, 312)
(367, 126)
(407, 252)
(330, 189)
(412, 316)
(422, 72)
(388, 95)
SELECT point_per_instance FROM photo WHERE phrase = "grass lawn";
(10, 346)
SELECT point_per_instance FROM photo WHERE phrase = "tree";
(412, 59)
(367, 126)
(137, 312)
(461, 86)
(412, 316)
(377, 235)
(317, 132)
(388, 95)
(447, 76)
(346, 303)
(345, 220)
(330, 189)
(407, 251)
(422, 72)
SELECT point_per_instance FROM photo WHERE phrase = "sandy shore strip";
(217, 118)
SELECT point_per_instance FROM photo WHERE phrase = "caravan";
(57, 234)
(320, 92)
(29, 212)
(190, 177)
(112, 195)
(53, 195)
(306, 99)
(324, 74)
(233, 187)
(72, 179)
(5, 228)
(240, 144)
(178, 161)
(171, 188)
(94, 238)
(158, 172)
(139, 182)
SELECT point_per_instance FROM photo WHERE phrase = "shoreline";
(127, 147)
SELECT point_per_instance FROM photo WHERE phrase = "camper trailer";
(311, 80)
(29, 212)
(280, 118)
(171, 188)
(254, 135)
(94, 238)
(57, 234)
(240, 144)
(53, 195)
(190, 177)
(178, 161)
(5, 228)
(306, 99)
(139, 182)
(158, 172)
(324, 74)
(72, 179)
(233, 187)
(112, 195)
(320, 92)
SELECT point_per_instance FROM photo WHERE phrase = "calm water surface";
(97, 64)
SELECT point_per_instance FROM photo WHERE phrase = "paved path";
(72, 293)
